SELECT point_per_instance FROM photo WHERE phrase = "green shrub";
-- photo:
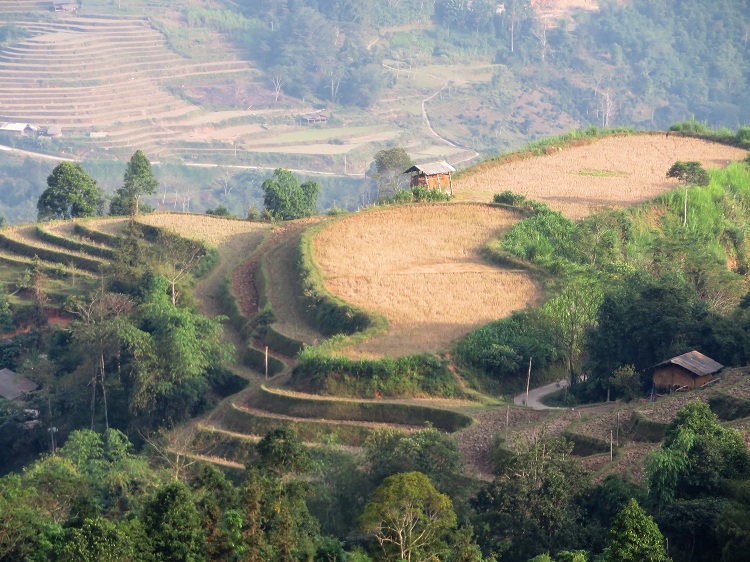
(509, 198)
(413, 375)
(729, 408)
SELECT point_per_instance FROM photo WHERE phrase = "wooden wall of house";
(671, 376)
(441, 182)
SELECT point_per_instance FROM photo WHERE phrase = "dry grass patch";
(114, 226)
(206, 228)
(420, 267)
(611, 172)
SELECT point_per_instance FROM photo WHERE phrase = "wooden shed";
(313, 119)
(65, 5)
(435, 175)
(689, 370)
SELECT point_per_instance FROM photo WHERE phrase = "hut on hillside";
(435, 175)
(19, 129)
(65, 5)
(54, 131)
(686, 371)
(313, 119)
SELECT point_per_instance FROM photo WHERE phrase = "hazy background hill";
(226, 83)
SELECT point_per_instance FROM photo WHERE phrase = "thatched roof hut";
(689, 370)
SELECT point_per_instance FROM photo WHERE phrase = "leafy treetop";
(71, 193)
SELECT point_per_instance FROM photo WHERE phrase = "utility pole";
(528, 382)
(266, 362)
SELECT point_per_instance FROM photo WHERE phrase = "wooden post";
(618, 429)
(528, 382)
(610, 445)
(450, 181)
(684, 220)
(266, 362)
(507, 421)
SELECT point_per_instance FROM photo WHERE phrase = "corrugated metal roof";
(12, 385)
(432, 168)
(15, 127)
(695, 362)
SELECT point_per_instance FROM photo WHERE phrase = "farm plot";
(612, 172)
(206, 228)
(420, 267)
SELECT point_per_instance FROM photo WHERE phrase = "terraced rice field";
(420, 267)
(101, 73)
(611, 172)
(212, 230)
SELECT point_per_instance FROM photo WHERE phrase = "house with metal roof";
(689, 370)
(14, 386)
(434, 175)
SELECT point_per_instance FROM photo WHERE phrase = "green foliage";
(138, 181)
(689, 173)
(286, 199)
(626, 383)
(388, 169)
(413, 375)
(532, 505)
(634, 537)
(502, 348)
(428, 451)
(697, 456)
(408, 517)
(71, 192)
(172, 524)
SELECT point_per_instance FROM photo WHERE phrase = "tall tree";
(409, 518)
(71, 192)
(286, 199)
(138, 181)
(635, 537)
(389, 166)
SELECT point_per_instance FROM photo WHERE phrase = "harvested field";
(113, 226)
(207, 228)
(420, 267)
(630, 169)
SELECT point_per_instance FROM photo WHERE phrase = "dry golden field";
(419, 266)
(207, 228)
(612, 172)
(113, 226)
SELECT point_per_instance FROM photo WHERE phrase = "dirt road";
(536, 395)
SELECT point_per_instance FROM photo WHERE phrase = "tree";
(697, 457)
(138, 180)
(533, 504)
(172, 523)
(71, 192)
(97, 329)
(635, 537)
(177, 258)
(690, 173)
(389, 169)
(409, 518)
(286, 199)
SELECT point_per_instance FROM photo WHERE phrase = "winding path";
(536, 395)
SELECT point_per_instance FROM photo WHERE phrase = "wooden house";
(65, 5)
(689, 370)
(313, 119)
(54, 131)
(435, 175)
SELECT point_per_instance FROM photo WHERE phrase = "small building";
(18, 129)
(54, 131)
(14, 386)
(435, 175)
(65, 5)
(689, 370)
(313, 119)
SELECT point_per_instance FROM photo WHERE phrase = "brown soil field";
(420, 267)
(207, 228)
(612, 172)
